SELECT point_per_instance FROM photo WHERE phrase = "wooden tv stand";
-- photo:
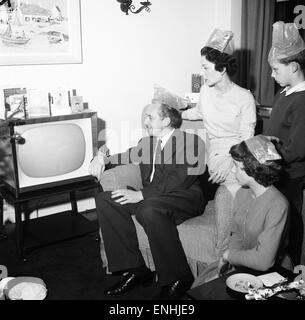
(52, 228)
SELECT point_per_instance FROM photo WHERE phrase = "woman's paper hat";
(262, 149)
(221, 41)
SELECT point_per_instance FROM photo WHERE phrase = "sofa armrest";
(121, 177)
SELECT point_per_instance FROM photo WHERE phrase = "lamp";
(126, 6)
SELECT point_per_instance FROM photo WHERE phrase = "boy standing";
(287, 123)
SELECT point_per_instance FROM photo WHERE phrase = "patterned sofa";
(202, 237)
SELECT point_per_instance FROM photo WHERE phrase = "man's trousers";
(159, 217)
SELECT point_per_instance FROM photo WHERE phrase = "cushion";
(197, 235)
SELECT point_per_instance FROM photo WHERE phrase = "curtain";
(256, 39)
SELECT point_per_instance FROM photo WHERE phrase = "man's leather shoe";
(130, 280)
(175, 290)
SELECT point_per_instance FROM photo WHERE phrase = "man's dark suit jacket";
(182, 161)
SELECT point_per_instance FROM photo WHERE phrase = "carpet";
(71, 269)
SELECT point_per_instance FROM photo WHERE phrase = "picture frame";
(38, 103)
(77, 104)
(60, 102)
(51, 37)
(15, 103)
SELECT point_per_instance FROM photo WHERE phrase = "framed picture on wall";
(40, 32)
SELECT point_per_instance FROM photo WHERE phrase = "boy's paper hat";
(286, 41)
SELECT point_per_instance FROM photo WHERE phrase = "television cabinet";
(48, 229)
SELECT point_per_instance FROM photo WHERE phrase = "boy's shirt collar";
(299, 87)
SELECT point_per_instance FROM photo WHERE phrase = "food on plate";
(264, 293)
(243, 285)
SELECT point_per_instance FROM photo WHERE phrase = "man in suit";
(170, 162)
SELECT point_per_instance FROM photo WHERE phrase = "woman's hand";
(126, 196)
(218, 175)
(224, 265)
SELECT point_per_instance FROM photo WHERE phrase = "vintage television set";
(47, 152)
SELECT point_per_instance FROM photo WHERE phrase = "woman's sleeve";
(263, 255)
(248, 118)
(235, 240)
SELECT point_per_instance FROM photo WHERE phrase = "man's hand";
(127, 196)
(97, 165)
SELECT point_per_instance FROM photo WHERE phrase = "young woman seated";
(258, 230)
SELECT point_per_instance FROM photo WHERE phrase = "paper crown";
(25, 288)
(262, 149)
(286, 41)
(221, 41)
(162, 95)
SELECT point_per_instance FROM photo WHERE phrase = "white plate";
(242, 282)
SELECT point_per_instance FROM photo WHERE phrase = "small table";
(65, 225)
(218, 290)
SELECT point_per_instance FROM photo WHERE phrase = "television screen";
(52, 150)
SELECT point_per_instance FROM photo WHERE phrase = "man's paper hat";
(286, 41)
(221, 41)
(162, 95)
(262, 149)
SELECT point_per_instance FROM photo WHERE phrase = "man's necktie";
(156, 159)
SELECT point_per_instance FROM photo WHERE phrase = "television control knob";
(18, 138)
